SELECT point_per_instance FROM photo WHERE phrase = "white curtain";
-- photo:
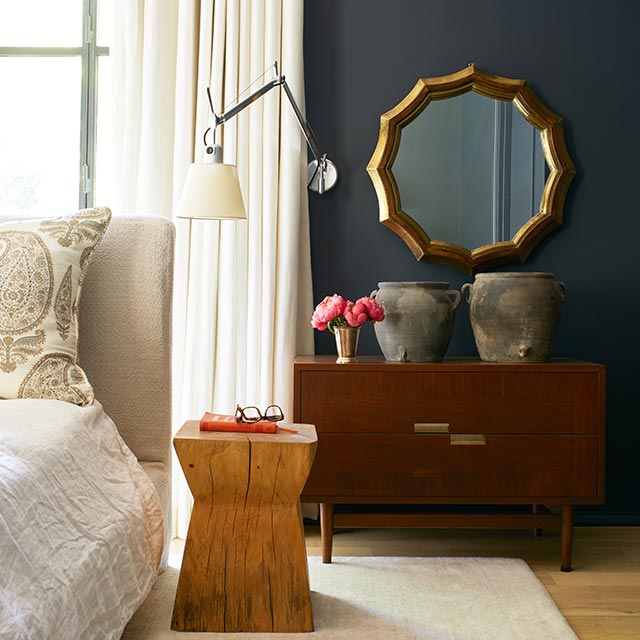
(242, 295)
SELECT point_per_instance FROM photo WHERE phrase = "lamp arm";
(243, 104)
(304, 125)
(278, 81)
(323, 171)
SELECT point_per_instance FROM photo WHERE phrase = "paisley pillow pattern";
(42, 264)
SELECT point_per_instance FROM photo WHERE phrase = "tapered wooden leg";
(567, 537)
(326, 530)
(536, 532)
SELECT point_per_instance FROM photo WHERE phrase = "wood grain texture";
(540, 427)
(244, 566)
(468, 401)
(519, 468)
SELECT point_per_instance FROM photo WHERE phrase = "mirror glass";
(470, 170)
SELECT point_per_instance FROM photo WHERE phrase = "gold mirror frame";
(536, 113)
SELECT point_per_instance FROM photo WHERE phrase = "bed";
(85, 490)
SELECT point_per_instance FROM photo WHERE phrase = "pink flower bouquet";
(334, 311)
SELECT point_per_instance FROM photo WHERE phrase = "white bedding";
(81, 529)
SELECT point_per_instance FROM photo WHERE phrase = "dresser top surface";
(449, 364)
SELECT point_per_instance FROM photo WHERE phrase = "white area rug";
(398, 599)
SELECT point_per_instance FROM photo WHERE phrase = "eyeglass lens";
(252, 414)
(273, 412)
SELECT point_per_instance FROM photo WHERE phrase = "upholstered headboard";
(125, 338)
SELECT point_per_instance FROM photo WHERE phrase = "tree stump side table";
(245, 563)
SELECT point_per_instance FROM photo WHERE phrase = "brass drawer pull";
(431, 427)
(467, 438)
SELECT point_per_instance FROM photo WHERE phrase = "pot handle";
(563, 290)
(374, 293)
(466, 291)
(455, 298)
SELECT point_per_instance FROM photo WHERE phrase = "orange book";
(216, 422)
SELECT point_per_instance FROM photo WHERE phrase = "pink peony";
(334, 312)
(329, 309)
(374, 309)
(355, 313)
(316, 323)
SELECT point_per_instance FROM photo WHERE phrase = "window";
(55, 76)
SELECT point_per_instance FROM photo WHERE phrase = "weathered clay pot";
(418, 320)
(514, 316)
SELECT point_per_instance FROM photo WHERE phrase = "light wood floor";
(600, 598)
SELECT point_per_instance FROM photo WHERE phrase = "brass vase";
(347, 344)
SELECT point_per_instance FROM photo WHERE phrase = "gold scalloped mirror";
(479, 178)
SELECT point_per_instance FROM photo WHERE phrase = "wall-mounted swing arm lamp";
(212, 189)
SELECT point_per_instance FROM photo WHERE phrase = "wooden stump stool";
(245, 563)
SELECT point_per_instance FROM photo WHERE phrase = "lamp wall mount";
(321, 172)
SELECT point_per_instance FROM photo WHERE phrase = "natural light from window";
(38, 165)
(55, 105)
(41, 23)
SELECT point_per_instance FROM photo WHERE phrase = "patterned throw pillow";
(42, 264)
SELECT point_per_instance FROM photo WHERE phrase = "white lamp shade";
(211, 192)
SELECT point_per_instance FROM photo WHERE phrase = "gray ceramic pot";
(418, 320)
(514, 316)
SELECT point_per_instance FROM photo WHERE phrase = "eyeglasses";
(252, 414)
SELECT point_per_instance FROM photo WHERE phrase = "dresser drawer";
(464, 402)
(429, 466)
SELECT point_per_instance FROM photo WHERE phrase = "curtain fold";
(242, 296)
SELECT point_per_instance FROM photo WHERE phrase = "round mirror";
(479, 178)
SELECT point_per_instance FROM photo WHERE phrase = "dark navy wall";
(580, 57)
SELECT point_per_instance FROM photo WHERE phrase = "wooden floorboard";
(600, 598)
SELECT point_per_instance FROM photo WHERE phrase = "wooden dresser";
(459, 432)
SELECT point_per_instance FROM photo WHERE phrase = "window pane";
(103, 177)
(104, 22)
(39, 135)
(40, 23)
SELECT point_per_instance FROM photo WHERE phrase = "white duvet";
(81, 528)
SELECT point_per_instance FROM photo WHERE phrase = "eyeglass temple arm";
(279, 80)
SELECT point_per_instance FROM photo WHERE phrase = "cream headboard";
(125, 330)
(125, 338)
